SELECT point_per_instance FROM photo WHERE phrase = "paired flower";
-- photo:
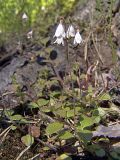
(60, 34)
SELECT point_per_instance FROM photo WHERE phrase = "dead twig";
(20, 155)
(37, 155)
(6, 133)
(97, 51)
(47, 145)
(1, 134)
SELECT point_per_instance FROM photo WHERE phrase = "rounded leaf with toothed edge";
(28, 140)
(54, 127)
(66, 135)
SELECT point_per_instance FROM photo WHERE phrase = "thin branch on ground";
(1, 134)
(47, 145)
(20, 155)
(37, 155)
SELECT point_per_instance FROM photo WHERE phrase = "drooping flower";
(24, 16)
(30, 34)
(59, 41)
(43, 8)
(70, 32)
(60, 33)
(78, 38)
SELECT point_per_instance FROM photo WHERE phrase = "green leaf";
(83, 76)
(114, 155)
(66, 135)
(104, 97)
(54, 127)
(87, 121)
(100, 152)
(55, 94)
(105, 140)
(19, 118)
(13, 127)
(48, 50)
(45, 40)
(28, 140)
(61, 113)
(117, 149)
(9, 113)
(85, 136)
(90, 90)
(46, 109)
(70, 113)
(46, 148)
(42, 102)
(101, 112)
(96, 119)
(33, 105)
(64, 157)
(16, 117)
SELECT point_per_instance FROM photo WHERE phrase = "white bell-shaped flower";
(60, 34)
(59, 41)
(24, 16)
(30, 34)
(70, 32)
(78, 38)
(60, 31)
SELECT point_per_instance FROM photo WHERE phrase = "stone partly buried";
(19, 71)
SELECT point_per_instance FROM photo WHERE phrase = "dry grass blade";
(34, 157)
(97, 51)
(6, 133)
(1, 134)
(20, 155)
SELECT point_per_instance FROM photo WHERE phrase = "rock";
(28, 74)
(7, 72)
(84, 10)
(110, 131)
